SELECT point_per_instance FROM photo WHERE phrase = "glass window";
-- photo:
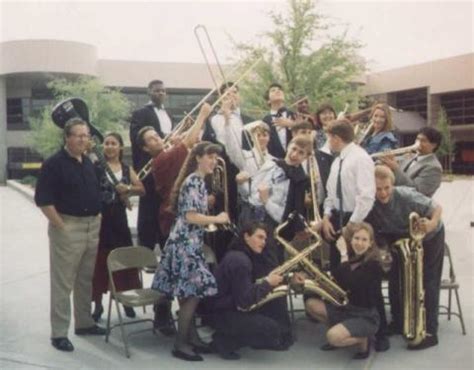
(459, 107)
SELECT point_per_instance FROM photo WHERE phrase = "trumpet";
(398, 151)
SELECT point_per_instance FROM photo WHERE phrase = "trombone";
(397, 152)
(179, 129)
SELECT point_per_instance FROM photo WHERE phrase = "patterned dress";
(183, 271)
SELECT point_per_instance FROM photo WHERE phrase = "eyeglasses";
(81, 136)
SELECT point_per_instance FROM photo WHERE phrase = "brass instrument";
(410, 251)
(219, 184)
(146, 170)
(249, 132)
(398, 151)
(284, 269)
(318, 282)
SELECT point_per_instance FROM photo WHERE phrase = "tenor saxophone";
(410, 251)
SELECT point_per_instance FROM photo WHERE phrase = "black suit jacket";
(274, 146)
(142, 117)
(324, 164)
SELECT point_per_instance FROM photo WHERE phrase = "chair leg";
(124, 338)
(449, 303)
(108, 319)
(461, 317)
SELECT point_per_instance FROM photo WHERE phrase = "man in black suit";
(280, 120)
(152, 114)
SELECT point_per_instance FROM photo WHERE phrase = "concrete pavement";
(25, 329)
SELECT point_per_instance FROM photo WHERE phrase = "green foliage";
(29, 180)
(446, 149)
(108, 110)
(300, 56)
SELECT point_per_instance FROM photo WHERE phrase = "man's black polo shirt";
(70, 186)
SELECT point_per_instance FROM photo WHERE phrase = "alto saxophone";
(410, 251)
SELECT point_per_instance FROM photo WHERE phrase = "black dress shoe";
(382, 344)
(429, 341)
(327, 347)
(129, 311)
(62, 344)
(203, 348)
(362, 355)
(98, 311)
(93, 330)
(186, 356)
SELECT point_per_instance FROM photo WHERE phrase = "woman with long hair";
(324, 116)
(183, 272)
(380, 137)
(361, 277)
(114, 230)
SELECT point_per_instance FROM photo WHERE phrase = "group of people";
(269, 166)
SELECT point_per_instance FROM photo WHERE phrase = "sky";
(394, 33)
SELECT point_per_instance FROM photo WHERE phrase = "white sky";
(395, 33)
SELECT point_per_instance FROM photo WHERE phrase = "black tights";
(187, 334)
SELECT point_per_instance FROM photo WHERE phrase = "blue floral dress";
(183, 271)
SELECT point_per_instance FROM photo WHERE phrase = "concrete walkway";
(24, 297)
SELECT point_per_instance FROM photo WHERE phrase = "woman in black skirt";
(361, 277)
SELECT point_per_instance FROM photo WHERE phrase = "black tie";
(339, 193)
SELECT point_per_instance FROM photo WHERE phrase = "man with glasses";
(68, 194)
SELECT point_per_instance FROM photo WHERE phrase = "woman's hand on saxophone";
(274, 279)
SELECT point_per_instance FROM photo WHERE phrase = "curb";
(26, 191)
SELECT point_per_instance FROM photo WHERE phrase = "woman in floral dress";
(183, 272)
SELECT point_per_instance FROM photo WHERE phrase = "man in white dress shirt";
(350, 187)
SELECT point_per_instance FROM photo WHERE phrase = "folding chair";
(122, 259)
(451, 284)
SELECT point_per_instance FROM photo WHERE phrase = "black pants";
(266, 328)
(433, 256)
(147, 223)
(334, 254)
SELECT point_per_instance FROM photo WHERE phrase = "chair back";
(130, 257)
(447, 253)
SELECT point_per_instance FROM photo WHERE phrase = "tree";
(300, 55)
(446, 150)
(108, 110)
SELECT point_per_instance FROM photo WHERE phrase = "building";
(27, 65)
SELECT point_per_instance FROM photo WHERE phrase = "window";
(18, 110)
(459, 107)
(413, 101)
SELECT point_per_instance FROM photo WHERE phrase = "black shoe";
(429, 341)
(163, 320)
(93, 330)
(382, 344)
(203, 348)
(394, 329)
(362, 355)
(62, 344)
(129, 311)
(327, 347)
(229, 356)
(186, 356)
(98, 311)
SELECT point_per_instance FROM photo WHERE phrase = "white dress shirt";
(229, 134)
(274, 177)
(165, 121)
(358, 183)
(281, 131)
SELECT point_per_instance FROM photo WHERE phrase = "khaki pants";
(73, 252)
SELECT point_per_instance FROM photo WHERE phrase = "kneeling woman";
(361, 276)
(265, 328)
(183, 272)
